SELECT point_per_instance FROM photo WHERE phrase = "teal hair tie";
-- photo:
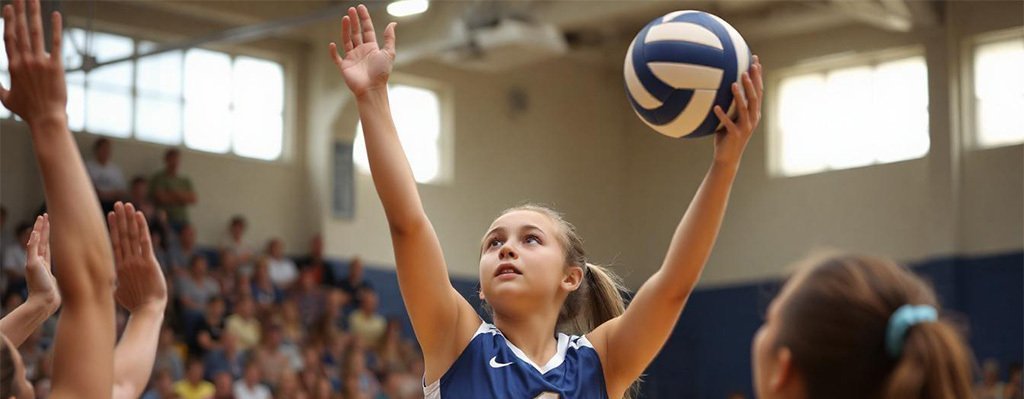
(901, 320)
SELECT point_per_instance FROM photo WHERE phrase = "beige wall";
(565, 151)
(956, 200)
(226, 185)
(579, 148)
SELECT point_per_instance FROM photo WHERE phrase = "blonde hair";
(599, 296)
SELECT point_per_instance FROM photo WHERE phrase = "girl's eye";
(494, 243)
(532, 239)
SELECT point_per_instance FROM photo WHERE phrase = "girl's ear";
(573, 278)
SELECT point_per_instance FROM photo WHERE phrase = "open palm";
(140, 282)
(38, 275)
(366, 66)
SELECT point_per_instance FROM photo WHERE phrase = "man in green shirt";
(171, 192)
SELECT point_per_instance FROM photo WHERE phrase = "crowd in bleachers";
(243, 321)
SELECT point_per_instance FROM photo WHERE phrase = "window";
(208, 100)
(158, 110)
(418, 121)
(852, 116)
(998, 91)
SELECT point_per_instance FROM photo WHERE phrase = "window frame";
(233, 52)
(825, 64)
(970, 139)
(446, 134)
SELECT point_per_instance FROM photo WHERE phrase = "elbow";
(407, 226)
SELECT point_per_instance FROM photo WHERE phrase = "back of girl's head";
(834, 318)
(599, 298)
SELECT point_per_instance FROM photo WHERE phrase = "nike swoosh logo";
(494, 363)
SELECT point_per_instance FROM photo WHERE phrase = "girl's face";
(522, 263)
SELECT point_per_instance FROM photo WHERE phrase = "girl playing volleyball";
(534, 272)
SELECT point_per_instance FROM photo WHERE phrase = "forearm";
(389, 166)
(24, 320)
(135, 354)
(82, 235)
(697, 231)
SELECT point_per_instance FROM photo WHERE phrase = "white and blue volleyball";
(679, 67)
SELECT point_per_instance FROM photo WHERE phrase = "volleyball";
(679, 67)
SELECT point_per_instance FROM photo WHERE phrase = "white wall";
(565, 151)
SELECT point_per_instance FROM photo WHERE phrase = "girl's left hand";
(729, 144)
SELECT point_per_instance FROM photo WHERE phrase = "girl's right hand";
(365, 67)
(37, 89)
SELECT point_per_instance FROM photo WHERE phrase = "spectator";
(234, 246)
(106, 176)
(264, 291)
(274, 356)
(289, 387)
(172, 192)
(196, 287)
(1013, 388)
(181, 246)
(194, 386)
(292, 329)
(209, 329)
(359, 382)
(243, 324)
(331, 319)
(139, 196)
(223, 385)
(309, 297)
(162, 386)
(282, 270)
(230, 358)
(168, 357)
(249, 386)
(989, 387)
(15, 257)
(315, 264)
(365, 322)
(393, 354)
(354, 282)
(324, 390)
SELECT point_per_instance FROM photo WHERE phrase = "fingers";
(21, 27)
(35, 27)
(33, 239)
(122, 230)
(11, 35)
(353, 24)
(44, 239)
(346, 33)
(115, 237)
(57, 41)
(332, 51)
(145, 245)
(758, 74)
(367, 24)
(739, 102)
(389, 39)
(729, 125)
(753, 99)
(133, 229)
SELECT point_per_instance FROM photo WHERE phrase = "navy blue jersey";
(492, 367)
